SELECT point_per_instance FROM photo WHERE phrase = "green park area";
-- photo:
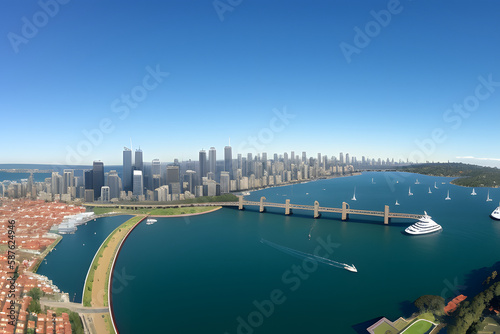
(156, 212)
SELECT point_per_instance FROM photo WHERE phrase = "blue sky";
(270, 75)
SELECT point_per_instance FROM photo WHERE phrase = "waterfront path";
(75, 307)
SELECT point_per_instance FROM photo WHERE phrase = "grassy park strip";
(156, 212)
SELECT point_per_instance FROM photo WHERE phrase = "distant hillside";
(468, 175)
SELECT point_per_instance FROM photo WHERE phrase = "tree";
(34, 307)
(434, 304)
(35, 293)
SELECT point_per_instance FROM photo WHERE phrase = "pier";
(345, 210)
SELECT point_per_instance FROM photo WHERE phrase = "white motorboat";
(424, 225)
(150, 221)
(354, 195)
(351, 268)
(448, 196)
(396, 202)
(496, 213)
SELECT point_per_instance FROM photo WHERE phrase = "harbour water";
(212, 274)
(68, 264)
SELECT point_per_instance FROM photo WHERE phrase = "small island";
(466, 175)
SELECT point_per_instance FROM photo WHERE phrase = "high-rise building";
(115, 184)
(156, 167)
(127, 169)
(341, 158)
(97, 178)
(228, 161)
(347, 160)
(304, 157)
(212, 160)
(224, 182)
(138, 185)
(105, 194)
(203, 164)
(68, 180)
(138, 162)
(88, 179)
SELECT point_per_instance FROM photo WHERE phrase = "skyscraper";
(138, 185)
(138, 164)
(127, 169)
(304, 157)
(203, 164)
(115, 184)
(228, 161)
(341, 158)
(211, 160)
(97, 178)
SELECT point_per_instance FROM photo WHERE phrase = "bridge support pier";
(387, 220)
(288, 211)
(262, 208)
(316, 210)
(240, 203)
(345, 215)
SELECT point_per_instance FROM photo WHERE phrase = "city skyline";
(311, 77)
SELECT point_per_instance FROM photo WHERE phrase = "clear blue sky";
(232, 68)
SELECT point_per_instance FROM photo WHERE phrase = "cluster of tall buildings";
(208, 176)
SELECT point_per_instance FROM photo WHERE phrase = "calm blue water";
(67, 266)
(211, 273)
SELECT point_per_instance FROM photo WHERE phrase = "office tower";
(190, 177)
(138, 162)
(173, 179)
(89, 195)
(138, 185)
(203, 164)
(347, 160)
(155, 181)
(68, 180)
(224, 182)
(292, 157)
(156, 167)
(319, 159)
(97, 178)
(285, 160)
(212, 160)
(114, 184)
(239, 162)
(127, 169)
(341, 158)
(304, 157)
(88, 179)
(275, 157)
(105, 194)
(228, 160)
(56, 183)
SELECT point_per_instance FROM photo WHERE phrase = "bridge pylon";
(288, 210)
(387, 220)
(262, 208)
(345, 215)
(240, 203)
(316, 210)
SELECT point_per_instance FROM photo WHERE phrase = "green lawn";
(385, 328)
(419, 327)
(159, 212)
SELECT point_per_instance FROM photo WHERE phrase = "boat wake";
(302, 255)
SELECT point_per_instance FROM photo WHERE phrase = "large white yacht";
(423, 226)
(496, 213)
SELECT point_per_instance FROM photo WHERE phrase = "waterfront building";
(202, 164)
(228, 160)
(97, 178)
(138, 185)
(127, 169)
(212, 160)
(138, 162)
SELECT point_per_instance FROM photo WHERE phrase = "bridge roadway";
(345, 210)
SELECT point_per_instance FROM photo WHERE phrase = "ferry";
(424, 225)
(150, 221)
(496, 213)
(351, 268)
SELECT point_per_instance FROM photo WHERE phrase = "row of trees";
(468, 175)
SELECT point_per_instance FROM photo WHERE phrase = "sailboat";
(435, 186)
(372, 181)
(473, 193)
(396, 202)
(409, 192)
(448, 196)
(430, 192)
(488, 199)
(416, 182)
(354, 195)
